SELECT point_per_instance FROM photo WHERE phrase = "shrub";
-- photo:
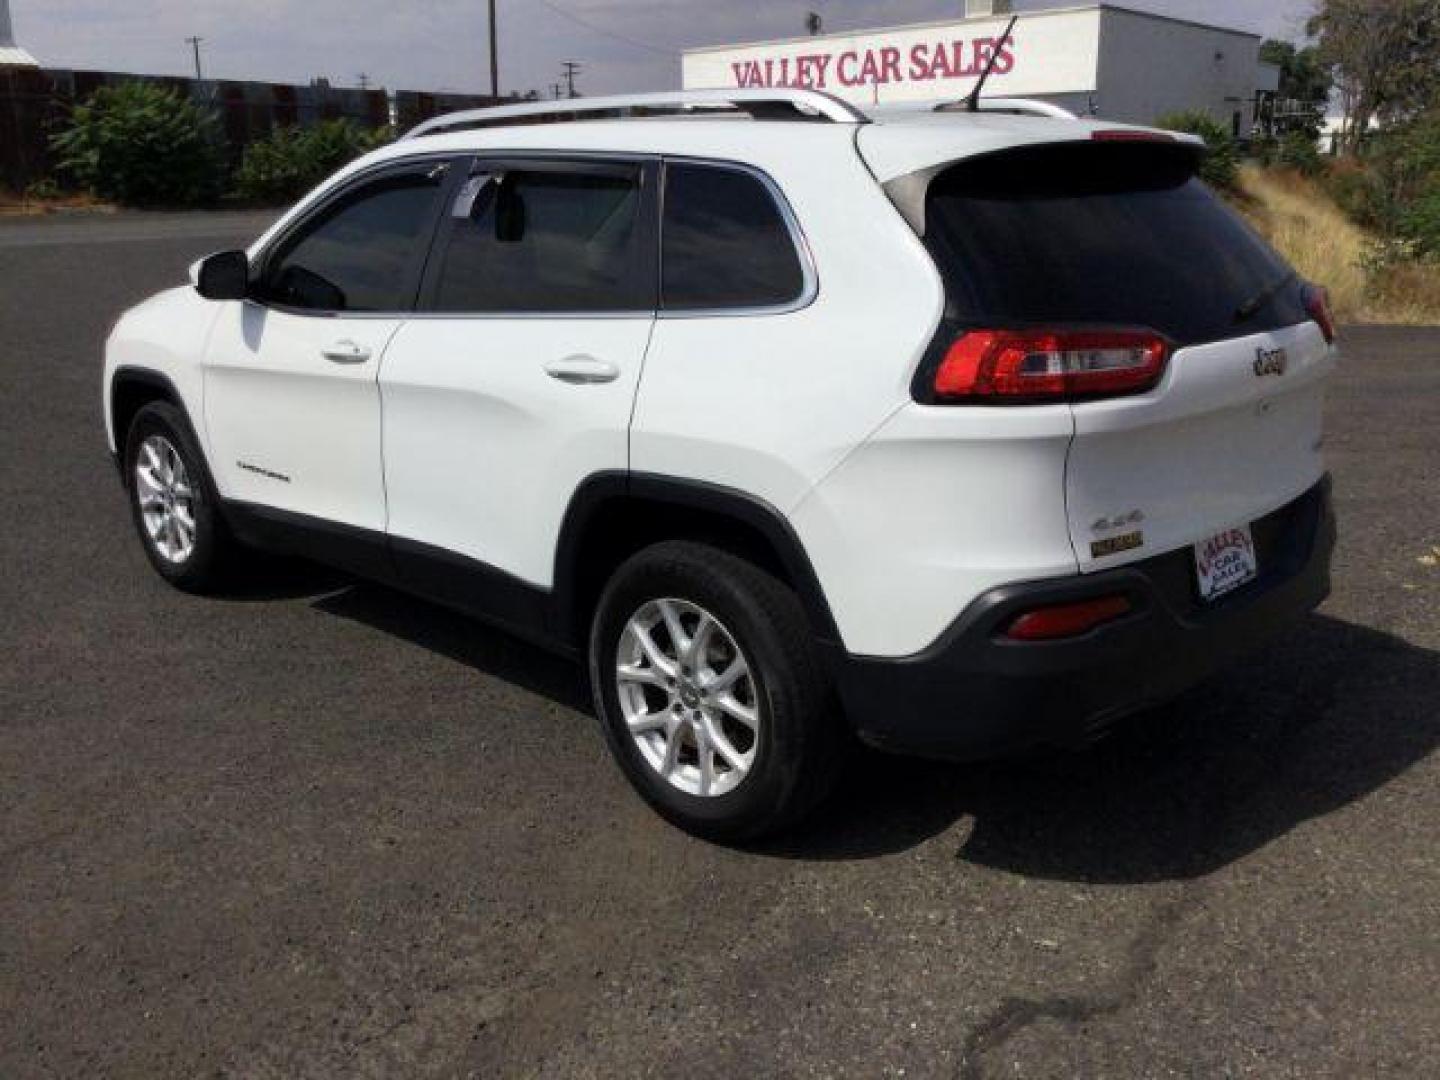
(1404, 161)
(1298, 150)
(1419, 223)
(292, 160)
(1222, 161)
(42, 190)
(1358, 191)
(142, 145)
(1371, 279)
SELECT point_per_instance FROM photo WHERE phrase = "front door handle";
(345, 351)
(582, 370)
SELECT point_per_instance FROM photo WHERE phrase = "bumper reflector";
(1066, 620)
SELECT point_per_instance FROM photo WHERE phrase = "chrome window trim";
(810, 278)
(322, 201)
(478, 159)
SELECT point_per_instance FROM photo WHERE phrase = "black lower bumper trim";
(977, 694)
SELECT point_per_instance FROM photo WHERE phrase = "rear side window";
(559, 241)
(725, 242)
(1118, 234)
(362, 253)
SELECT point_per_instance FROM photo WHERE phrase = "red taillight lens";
(1130, 135)
(1000, 365)
(1067, 620)
(1317, 303)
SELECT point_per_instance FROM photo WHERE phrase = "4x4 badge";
(1271, 362)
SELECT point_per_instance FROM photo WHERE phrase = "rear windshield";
(1111, 233)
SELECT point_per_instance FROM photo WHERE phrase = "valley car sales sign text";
(1054, 53)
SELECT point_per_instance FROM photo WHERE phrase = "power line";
(578, 21)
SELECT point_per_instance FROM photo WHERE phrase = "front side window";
(558, 240)
(362, 253)
(725, 242)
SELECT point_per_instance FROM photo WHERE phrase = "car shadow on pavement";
(265, 577)
(1332, 712)
(462, 639)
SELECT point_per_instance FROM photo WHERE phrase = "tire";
(200, 565)
(792, 755)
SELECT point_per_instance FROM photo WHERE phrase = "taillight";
(1130, 135)
(1317, 304)
(998, 366)
(1067, 620)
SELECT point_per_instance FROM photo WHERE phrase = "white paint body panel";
(1213, 446)
(273, 402)
(768, 404)
(165, 334)
(936, 507)
(484, 448)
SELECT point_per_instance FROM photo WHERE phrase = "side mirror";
(224, 276)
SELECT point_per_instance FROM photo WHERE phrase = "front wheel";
(713, 700)
(173, 501)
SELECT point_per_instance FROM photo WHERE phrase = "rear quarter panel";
(769, 404)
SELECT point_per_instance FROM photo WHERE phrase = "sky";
(622, 45)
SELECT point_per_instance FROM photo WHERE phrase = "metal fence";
(35, 102)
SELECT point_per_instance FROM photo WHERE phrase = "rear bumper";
(976, 694)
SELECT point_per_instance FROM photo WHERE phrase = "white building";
(11, 55)
(1099, 59)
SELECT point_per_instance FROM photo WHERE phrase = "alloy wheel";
(688, 696)
(166, 497)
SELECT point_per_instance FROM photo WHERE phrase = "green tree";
(1222, 158)
(1404, 159)
(1384, 57)
(142, 145)
(292, 160)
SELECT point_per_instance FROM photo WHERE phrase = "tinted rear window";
(726, 244)
(545, 241)
(1101, 233)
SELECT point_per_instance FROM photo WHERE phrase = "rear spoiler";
(908, 192)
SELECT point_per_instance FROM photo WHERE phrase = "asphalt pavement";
(316, 828)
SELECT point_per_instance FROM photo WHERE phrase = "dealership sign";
(1045, 54)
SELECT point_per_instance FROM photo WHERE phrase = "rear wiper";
(1252, 307)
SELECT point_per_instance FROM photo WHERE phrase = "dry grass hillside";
(1302, 222)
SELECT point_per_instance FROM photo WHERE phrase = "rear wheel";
(707, 684)
(173, 501)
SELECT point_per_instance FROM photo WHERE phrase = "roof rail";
(1018, 105)
(761, 104)
(1012, 105)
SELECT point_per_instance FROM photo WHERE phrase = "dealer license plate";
(1225, 561)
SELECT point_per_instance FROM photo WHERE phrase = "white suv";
(965, 432)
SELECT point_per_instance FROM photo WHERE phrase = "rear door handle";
(582, 370)
(345, 351)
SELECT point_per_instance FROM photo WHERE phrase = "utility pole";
(494, 56)
(572, 68)
(195, 42)
(555, 90)
(364, 81)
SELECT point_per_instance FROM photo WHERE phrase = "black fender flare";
(601, 492)
(131, 375)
